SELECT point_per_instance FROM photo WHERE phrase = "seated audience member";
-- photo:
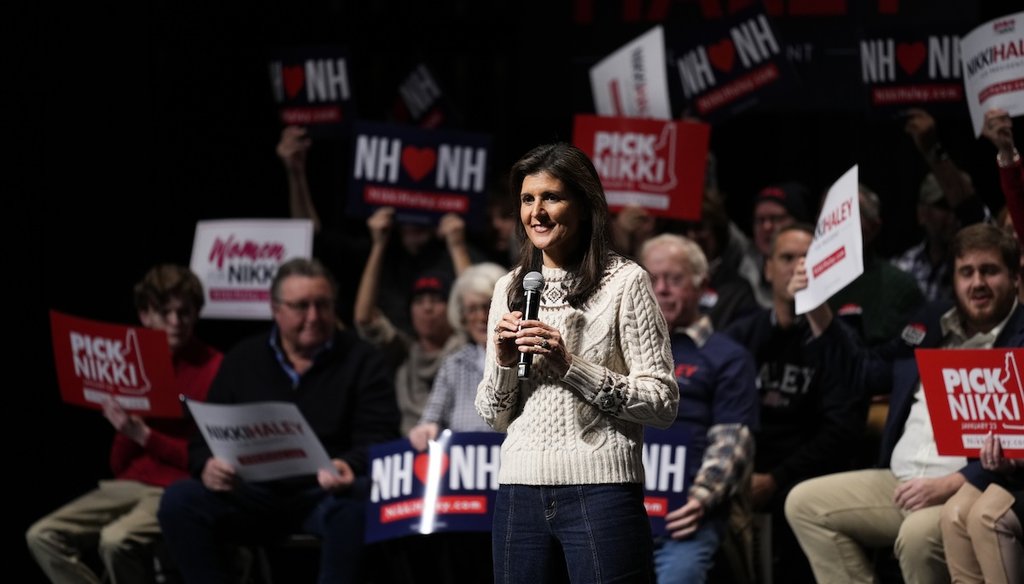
(118, 518)
(946, 202)
(630, 228)
(345, 394)
(981, 532)
(878, 303)
(837, 517)
(718, 408)
(451, 403)
(457, 557)
(811, 416)
(775, 207)
(416, 358)
(727, 295)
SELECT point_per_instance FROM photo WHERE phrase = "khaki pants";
(982, 536)
(118, 519)
(836, 517)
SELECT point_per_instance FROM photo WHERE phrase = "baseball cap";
(431, 283)
(791, 195)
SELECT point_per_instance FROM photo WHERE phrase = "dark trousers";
(199, 524)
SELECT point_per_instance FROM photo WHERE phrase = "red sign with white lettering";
(97, 360)
(655, 164)
(971, 393)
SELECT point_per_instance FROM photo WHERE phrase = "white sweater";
(587, 426)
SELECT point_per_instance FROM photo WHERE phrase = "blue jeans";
(602, 530)
(197, 523)
(688, 560)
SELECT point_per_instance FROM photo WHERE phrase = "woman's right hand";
(505, 348)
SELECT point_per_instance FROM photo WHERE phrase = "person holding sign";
(718, 409)
(981, 532)
(595, 367)
(836, 516)
(811, 416)
(120, 516)
(344, 392)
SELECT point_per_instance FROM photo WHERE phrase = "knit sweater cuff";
(586, 378)
(507, 380)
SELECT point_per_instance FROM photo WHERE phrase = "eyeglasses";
(322, 305)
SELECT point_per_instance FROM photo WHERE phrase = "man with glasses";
(775, 207)
(342, 389)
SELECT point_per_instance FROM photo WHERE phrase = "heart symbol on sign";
(422, 462)
(722, 54)
(294, 79)
(910, 56)
(418, 162)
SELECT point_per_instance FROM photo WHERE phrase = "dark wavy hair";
(574, 168)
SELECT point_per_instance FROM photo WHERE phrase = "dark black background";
(143, 119)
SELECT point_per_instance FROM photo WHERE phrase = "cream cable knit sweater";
(586, 427)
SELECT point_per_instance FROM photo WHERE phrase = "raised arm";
(452, 230)
(920, 125)
(292, 149)
(380, 224)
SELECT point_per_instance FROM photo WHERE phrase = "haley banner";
(97, 361)
(451, 487)
(236, 260)
(993, 62)
(730, 65)
(631, 82)
(836, 255)
(421, 101)
(971, 392)
(900, 68)
(263, 441)
(653, 164)
(668, 472)
(423, 174)
(312, 88)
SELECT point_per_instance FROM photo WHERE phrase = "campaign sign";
(667, 471)
(730, 65)
(658, 165)
(836, 255)
(98, 360)
(312, 89)
(450, 487)
(263, 441)
(901, 69)
(993, 62)
(631, 82)
(236, 260)
(423, 174)
(971, 392)
(421, 101)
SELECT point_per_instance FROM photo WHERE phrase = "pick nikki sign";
(971, 393)
(97, 361)
(423, 174)
(658, 165)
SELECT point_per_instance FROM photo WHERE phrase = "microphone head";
(533, 281)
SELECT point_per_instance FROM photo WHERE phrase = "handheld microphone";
(532, 285)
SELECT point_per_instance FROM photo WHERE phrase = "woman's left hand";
(540, 339)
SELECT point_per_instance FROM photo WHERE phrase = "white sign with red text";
(993, 64)
(836, 255)
(263, 441)
(236, 260)
(632, 82)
